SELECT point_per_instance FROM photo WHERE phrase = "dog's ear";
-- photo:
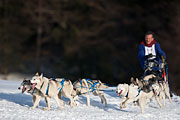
(132, 79)
(154, 79)
(103, 85)
(37, 74)
(137, 80)
(41, 75)
(99, 81)
(24, 79)
(153, 75)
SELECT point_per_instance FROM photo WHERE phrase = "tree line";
(86, 39)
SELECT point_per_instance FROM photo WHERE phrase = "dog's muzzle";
(23, 89)
(155, 92)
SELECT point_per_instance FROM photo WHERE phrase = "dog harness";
(42, 85)
(41, 88)
(127, 94)
(32, 92)
(92, 85)
(47, 89)
(139, 90)
(62, 84)
(79, 86)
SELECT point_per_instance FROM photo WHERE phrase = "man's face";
(149, 39)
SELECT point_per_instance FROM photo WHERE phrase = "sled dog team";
(137, 92)
(141, 90)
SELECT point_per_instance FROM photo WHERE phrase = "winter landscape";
(106, 40)
(15, 106)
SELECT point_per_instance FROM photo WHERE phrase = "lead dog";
(26, 85)
(86, 86)
(51, 88)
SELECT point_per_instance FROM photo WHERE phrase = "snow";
(15, 106)
(14, 76)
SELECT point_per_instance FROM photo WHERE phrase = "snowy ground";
(15, 106)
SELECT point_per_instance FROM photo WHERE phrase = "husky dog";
(86, 86)
(127, 92)
(160, 91)
(51, 88)
(26, 85)
(167, 90)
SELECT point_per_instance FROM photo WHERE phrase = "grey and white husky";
(40, 86)
(87, 86)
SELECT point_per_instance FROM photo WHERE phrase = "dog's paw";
(62, 106)
(46, 108)
(76, 103)
(31, 108)
(102, 101)
(72, 104)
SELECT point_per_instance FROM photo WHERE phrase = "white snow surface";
(15, 106)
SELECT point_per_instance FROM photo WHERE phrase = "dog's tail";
(103, 85)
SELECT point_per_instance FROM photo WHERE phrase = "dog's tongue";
(33, 86)
(119, 93)
(23, 89)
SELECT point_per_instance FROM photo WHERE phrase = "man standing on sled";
(149, 52)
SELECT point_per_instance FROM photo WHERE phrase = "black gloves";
(163, 59)
(149, 56)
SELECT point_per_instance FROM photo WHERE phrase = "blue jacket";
(158, 51)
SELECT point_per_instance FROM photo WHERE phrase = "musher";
(150, 51)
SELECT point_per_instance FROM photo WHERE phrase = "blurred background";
(95, 39)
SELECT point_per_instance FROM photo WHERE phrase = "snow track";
(15, 106)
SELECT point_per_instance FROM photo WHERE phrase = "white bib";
(150, 50)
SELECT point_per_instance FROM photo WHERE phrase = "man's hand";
(149, 56)
(163, 60)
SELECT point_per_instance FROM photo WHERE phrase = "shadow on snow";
(18, 98)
